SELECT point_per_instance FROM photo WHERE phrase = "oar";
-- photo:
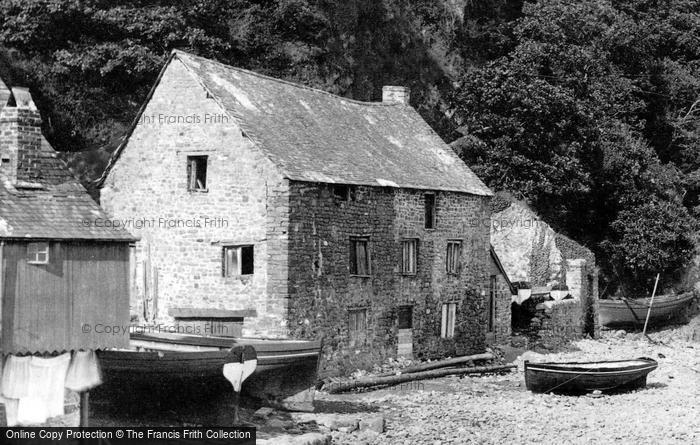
(651, 303)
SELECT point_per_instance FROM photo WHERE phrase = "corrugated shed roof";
(55, 206)
(312, 135)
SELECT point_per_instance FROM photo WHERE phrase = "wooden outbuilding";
(64, 275)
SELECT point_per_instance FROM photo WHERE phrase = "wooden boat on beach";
(285, 367)
(582, 377)
(633, 312)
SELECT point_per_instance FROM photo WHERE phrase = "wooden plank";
(186, 312)
(335, 388)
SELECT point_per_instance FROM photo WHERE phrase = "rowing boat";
(285, 367)
(631, 312)
(581, 377)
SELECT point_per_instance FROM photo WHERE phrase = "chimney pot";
(396, 95)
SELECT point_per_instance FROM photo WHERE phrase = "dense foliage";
(592, 117)
(587, 109)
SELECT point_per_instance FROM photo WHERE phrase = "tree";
(572, 119)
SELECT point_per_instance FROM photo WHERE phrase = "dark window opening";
(359, 256)
(454, 254)
(409, 256)
(238, 260)
(429, 210)
(405, 317)
(341, 192)
(492, 304)
(197, 173)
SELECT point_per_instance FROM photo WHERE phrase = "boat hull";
(634, 312)
(582, 377)
(285, 367)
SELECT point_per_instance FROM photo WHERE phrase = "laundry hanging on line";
(33, 388)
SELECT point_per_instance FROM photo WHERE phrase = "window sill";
(360, 276)
(198, 190)
(38, 263)
(243, 278)
(408, 274)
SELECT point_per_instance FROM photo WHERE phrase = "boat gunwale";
(659, 301)
(575, 367)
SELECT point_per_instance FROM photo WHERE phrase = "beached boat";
(285, 367)
(184, 364)
(634, 312)
(581, 377)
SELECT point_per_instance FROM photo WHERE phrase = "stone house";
(293, 212)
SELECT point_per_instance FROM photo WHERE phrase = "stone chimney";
(20, 139)
(396, 95)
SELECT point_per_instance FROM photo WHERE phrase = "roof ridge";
(288, 82)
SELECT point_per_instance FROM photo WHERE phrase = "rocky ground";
(491, 409)
(498, 409)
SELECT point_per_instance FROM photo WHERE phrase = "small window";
(449, 312)
(197, 173)
(341, 192)
(429, 210)
(359, 256)
(405, 317)
(357, 327)
(409, 256)
(238, 260)
(38, 253)
(454, 253)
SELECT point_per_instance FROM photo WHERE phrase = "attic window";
(341, 192)
(197, 173)
(38, 253)
(5, 160)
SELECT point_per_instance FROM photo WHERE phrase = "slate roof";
(52, 206)
(312, 135)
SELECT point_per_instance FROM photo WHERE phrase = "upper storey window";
(430, 210)
(197, 173)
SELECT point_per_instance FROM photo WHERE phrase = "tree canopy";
(588, 109)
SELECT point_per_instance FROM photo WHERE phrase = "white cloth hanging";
(11, 407)
(52, 374)
(15, 377)
(84, 372)
(33, 388)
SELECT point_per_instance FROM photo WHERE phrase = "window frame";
(357, 326)
(353, 257)
(448, 322)
(430, 210)
(192, 176)
(456, 266)
(404, 262)
(238, 248)
(405, 313)
(34, 250)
